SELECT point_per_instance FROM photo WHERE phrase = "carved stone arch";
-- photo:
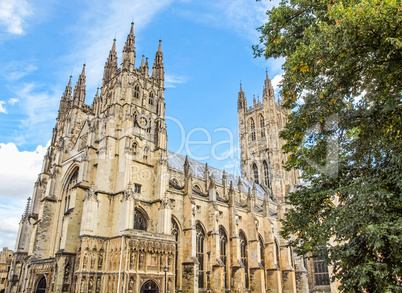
(198, 222)
(137, 90)
(197, 187)
(244, 255)
(151, 97)
(255, 173)
(154, 285)
(201, 249)
(175, 180)
(41, 284)
(141, 218)
(251, 123)
(75, 166)
(174, 218)
(224, 229)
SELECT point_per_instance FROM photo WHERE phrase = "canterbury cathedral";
(113, 210)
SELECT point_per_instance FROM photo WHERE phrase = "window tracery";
(200, 255)
(262, 126)
(223, 250)
(140, 222)
(255, 173)
(175, 233)
(136, 91)
(244, 255)
(151, 99)
(266, 174)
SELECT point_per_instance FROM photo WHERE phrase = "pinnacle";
(83, 69)
(132, 29)
(114, 46)
(160, 46)
(69, 82)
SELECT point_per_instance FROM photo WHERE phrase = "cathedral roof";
(176, 161)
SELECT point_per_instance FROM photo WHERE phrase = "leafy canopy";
(342, 80)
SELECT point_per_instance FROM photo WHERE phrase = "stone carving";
(100, 260)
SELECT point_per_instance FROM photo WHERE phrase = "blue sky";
(207, 51)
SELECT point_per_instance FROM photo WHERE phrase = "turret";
(157, 69)
(241, 100)
(96, 102)
(80, 90)
(65, 101)
(128, 57)
(268, 90)
(111, 64)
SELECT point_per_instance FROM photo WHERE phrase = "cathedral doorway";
(149, 287)
(41, 286)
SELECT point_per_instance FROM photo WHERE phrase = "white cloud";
(2, 108)
(10, 215)
(40, 108)
(16, 70)
(242, 16)
(276, 81)
(171, 80)
(18, 173)
(12, 101)
(19, 170)
(13, 14)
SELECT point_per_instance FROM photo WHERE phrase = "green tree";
(342, 80)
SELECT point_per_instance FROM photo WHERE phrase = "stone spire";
(241, 100)
(27, 210)
(111, 64)
(144, 66)
(128, 58)
(80, 90)
(157, 69)
(95, 104)
(65, 101)
(186, 168)
(268, 91)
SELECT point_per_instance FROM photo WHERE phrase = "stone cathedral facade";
(113, 210)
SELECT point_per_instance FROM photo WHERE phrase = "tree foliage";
(342, 80)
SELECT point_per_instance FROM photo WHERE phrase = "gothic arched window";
(197, 187)
(262, 126)
(140, 222)
(151, 98)
(70, 185)
(223, 247)
(200, 255)
(255, 173)
(261, 244)
(137, 91)
(252, 129)
(266, 174)
(175, 233)
(135, 147)
(243, 255)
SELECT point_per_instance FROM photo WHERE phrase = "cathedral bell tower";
(261, 154)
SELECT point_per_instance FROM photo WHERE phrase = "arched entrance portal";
(149, 287)
(41, 286)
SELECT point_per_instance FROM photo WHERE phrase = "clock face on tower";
(143, 121)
